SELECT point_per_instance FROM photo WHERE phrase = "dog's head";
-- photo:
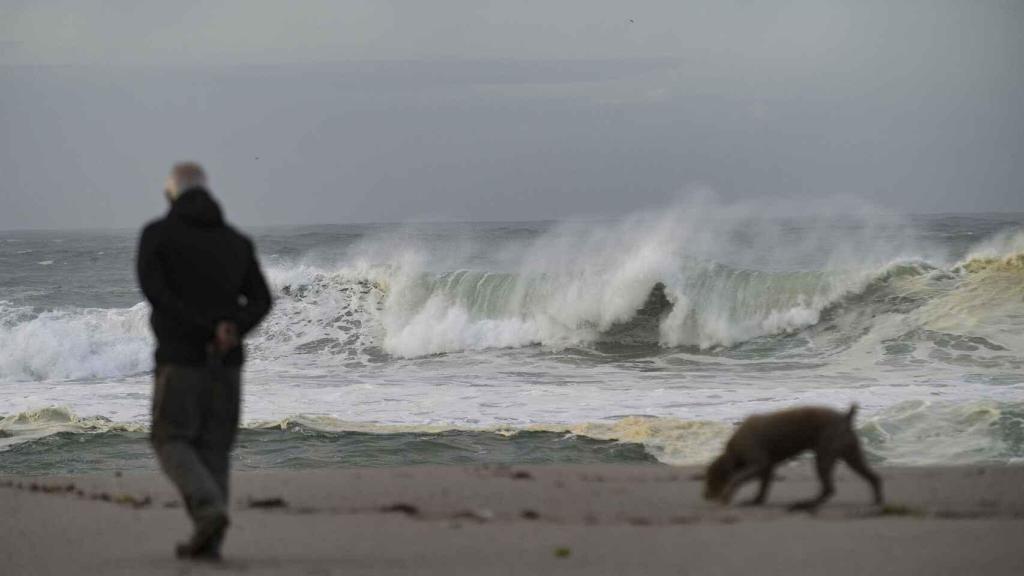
(718, 475)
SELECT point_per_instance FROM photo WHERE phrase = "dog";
(763, 441)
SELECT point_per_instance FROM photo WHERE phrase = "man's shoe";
(205, 542)
(185, 551)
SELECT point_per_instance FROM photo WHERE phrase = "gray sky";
(334, 111)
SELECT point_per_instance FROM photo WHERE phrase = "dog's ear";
(852, 412)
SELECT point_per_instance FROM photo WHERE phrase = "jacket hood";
(197, 207)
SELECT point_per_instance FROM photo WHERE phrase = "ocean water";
(638, 339)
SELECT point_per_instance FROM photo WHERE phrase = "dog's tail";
(851, 413)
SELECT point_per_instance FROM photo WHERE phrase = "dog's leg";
(762, 492)
(746, 473)
(825, 463)
(854, 458)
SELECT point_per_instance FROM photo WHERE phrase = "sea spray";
(576, 281)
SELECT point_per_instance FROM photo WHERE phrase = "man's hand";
(225, 337)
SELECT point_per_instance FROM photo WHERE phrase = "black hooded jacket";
(196, 271)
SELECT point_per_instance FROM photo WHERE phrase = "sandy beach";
(521, 520)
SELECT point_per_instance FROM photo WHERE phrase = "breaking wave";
(654, 289)
(695, 304)
(73, 343)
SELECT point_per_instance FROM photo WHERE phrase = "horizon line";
(443, 222)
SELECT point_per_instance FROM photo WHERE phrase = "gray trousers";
(195, 419)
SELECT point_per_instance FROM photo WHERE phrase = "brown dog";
(763, 441)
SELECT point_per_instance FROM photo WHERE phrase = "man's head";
(184, 175)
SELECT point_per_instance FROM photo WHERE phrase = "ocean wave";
(920, 432)
(908, 433)
(665, 282)
(73, 343)
(642, 284)
(670, 440)
(702, 305)
(59, 419)
(1004, 251)
(39, 423)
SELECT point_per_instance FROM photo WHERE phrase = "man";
(204, 283)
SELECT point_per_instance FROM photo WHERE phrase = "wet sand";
(521, 520)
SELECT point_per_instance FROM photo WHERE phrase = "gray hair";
(184, 175)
